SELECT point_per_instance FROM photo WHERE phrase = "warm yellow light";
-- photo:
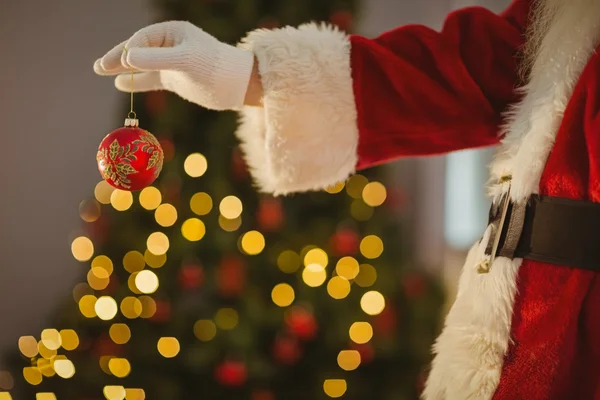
(316, 256)
(201, 203)
(102, 192)
(166, 215)
(283, 295)
(338, 187)
(64, 368)
(150, 198)
(133, 261)
(69, 338)
(5, 395)
(103, 262)
(347, 267)
(360, 211)
(205, 330)
(7, 381)
(348, 360)
(148, 307)
(314, 275)
(361, 332)
(45, 352)
(193, 229)
(119, 333)
(44, 396)
(367, 275)
(87, 306)
(121, 200)
(135, 394)
(119, 367)
(230, 225)
(89, 210)
(371, 246)
(45, 367)
(158, 243)
(335, 388)
(146, 281)
(338, 288)
(168, 347)
(195, 165)
(106, 308)
(231, 207)
(51, 339)
(131, 307)
(32, 375)
(226, 318)
(28, 346)
(374, 194)
(114, 392)
(98, 278)
(253, 243)
(153, 260)
(103, 361)
(131, 283)
(82, 248)
(355, 186)
(288, 261)
(372, 303)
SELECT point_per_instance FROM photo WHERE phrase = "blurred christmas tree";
(201, 288)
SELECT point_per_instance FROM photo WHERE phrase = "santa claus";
(317, 105)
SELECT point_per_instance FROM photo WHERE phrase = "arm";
(334, 104)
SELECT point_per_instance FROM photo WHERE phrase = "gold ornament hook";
(131, 116)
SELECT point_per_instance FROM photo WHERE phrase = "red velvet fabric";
(421, 92)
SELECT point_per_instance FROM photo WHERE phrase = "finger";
(153, 58)
(110, 64)
(142, 82)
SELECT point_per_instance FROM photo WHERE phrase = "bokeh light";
(119, 367)
(195, 165)
(70, 339)
(45, 352)
(374, 194)
(150, 198)
(372, 303)
(230, 225)
(103, 261)
(82, 248)
(165, 215)
(64, 368)
(205, 330)
(283, 295)
(103, 191)
(89, 210)
(146, 281)
(226, 318)
(7, 381)
(338, 187)
(367, 275)
(51, 339)
(114, 392)
(98, 278)
(316, 256)
(361, 332)
(253, 243)
(133, 261)
(28, 346)
(231, 207)
(119, 333)
(131, 307)
(193, 229)
(314, 275)
(106, 308)
(168, 347)
(135, 394)
(360, 211)
(87, 306)
(148, 306)
(201, 203)
(288, 261)
(121, 200)
(43, 396)
(355, 186)
(371, 246)
(32, 375)
(46, 366)
(153, 260)
(158, 243)
(335, 388)
(338, 287)
(347, 267)
(349, 360)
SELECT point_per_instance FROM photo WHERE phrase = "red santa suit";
(335, 104)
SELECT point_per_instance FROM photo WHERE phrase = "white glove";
(179, 57)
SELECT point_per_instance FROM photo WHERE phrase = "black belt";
(548, 229)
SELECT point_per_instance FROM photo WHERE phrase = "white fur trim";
(470, 351)
(306, 137)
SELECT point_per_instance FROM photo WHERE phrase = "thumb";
(142, 82)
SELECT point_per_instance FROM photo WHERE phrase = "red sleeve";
(422, 92)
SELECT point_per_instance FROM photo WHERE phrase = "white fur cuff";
(305, 138)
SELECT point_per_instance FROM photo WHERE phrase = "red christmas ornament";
(286, 350)
(191, 276)
(231, 373)
(301, 323)
(129, 158)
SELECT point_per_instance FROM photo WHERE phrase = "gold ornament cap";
(132, 122)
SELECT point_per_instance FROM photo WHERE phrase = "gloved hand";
(179, 57)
